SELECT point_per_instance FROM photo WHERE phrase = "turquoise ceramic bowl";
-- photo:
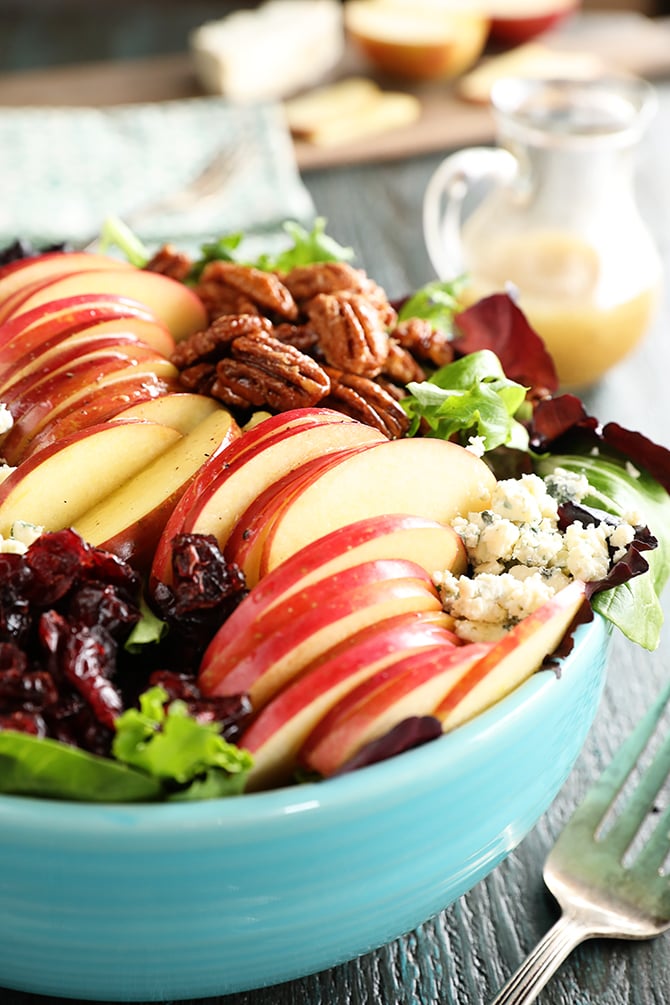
(183, 901)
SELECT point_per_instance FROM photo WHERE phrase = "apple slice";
(428, 477)
(513, 658)
(279, 731)
(129, 521)
(280, 644)
(59, 318)
(514, 22)
(153, 375)
(54, 487)
(224, 489)
(172, 302)
(182, 410)
(411, 686)
(16, 275)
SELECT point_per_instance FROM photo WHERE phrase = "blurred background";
(41, 33)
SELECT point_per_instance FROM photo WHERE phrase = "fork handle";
(525, 985)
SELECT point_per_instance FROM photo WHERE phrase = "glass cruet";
(550, 213)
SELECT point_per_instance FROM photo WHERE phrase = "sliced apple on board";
(279, 645)
(172, 302)
(55, 486)
(512, 659)
(225, 488)
(278, 732)
(432, 478)
(129, 521)
(411, 686)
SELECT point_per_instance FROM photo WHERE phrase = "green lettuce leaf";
(436, 302)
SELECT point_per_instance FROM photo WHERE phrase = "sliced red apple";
(428, 477)
(16, 275)
(180, 309)
(411, 686)
(280, 644)
(181, 409)
(279, 731)
(224, 489)
(129, 521)
(512, 659)
(54, 487)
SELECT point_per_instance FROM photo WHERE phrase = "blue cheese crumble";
(22, 534)
(6, 419)
(519, 557)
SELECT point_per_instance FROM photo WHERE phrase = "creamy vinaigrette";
(588, 325)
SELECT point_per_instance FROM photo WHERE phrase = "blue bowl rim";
(365, 787)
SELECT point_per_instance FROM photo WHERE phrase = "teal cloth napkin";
(63, 170)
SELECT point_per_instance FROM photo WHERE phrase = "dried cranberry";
(15, 612)
(202, 577)
(12, 658)
(99, 604)
(24, 722)
(31, 691)
(231, 712)
(105, 567)
(54, 560)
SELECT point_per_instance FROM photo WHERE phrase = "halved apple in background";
(514, 22)
(129, 521)
(280, 644)
(172, 302)
(55, 486)
(418, 41)
(278, 732)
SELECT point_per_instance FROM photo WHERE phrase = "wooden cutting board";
(625, 41)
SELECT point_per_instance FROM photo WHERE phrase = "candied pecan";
(400, 365)
(220, 300)
(264, 289)
(210, 344)
(352, 337)
(170, 262)
(198, 378)
(423, 341)
(307, 281)
(302, 337)
(266, 372)
(365, 400)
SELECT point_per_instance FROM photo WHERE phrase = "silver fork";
(207, 184)
(601, 893)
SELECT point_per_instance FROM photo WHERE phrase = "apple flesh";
(279, 731)
(181, 410)
(177, 306)
(411, 686)
(129, 521)
(55, 486)
(514, 22)
(513, 658)
(432, 478)
(262, 661)
(418, 41)
(17, 275)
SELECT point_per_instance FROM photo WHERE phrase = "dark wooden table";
(464, 955)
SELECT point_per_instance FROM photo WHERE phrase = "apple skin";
(55, 486)
(222, 491)
(415, 41)
(513, 658)
(411, 686)
(446, 480)
(387, 536)
(33, 416)
(129, 521)
(514, 23)
(177, 306)
(16, 275)
(278, 732)
(59, 318)
(265, 658)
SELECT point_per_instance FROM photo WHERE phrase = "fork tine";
(656, 850)
(641, 801)
(602, 794)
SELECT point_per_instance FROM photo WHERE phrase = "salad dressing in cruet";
(558, 221)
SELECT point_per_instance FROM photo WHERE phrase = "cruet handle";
(444, 198)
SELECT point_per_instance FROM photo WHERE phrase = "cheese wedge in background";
(350, 109)
(529, 60)
(268, 53)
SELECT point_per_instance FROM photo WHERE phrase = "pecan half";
(266, 372)
(212, 343)
(198, 378)
(352, 336)
(170, 262)
(365, 400)
(307, 281)
(400, 365)
(423, 341)
(264, 289)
